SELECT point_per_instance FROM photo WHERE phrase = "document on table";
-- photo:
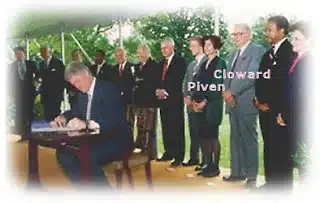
(51, 129)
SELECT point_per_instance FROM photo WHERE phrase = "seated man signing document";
(98, 104)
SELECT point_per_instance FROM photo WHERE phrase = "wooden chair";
(140, 155)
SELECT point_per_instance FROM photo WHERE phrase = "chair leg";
(118, 173)
(148, 174)
(129, 174)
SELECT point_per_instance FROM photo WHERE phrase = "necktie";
(235, 60)
(45, 64)
(165, 69)
(21, 70)
(141, 66)
(121, 70)
(88, 114)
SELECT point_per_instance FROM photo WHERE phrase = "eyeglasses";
(236, 34)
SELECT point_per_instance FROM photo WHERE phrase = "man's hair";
(120, 49)
(19, 48)
(281, 23)
(302, 27)
(100, 51)
(75, 68)
(198, 39)
(168, 40)
(244, 26)
(45, 46)
(76, 50)
(215, 40)
(144, 47)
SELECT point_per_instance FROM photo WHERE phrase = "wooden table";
(65, 141)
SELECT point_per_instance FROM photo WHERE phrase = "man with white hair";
(242, 112)
(170, 97)
(98, 104)
(53, 83)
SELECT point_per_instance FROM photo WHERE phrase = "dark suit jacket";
(173, 80)
(146, 82)
(271, 91)
(53, 82)
(214, 108)
(105, 72)
(23, 91)
(107, 109)
(125, 82)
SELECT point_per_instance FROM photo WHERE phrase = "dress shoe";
(191, 162)
(209, 171)
(23, 139)
(200, 167)
(250, 184)
(175, 164)
(165, 157)
(234, 178)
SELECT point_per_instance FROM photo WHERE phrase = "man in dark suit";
(101, 69)
(22, 76)
(196, 48)
(270, 102)
(147, 79)
(171, 103)
(53, 83)
(98, 105)
(123, 77)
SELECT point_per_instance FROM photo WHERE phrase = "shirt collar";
(199, 57)
(102, 63)
(93, 84)
(170, 58)
(123, 64)
(49, 59)
(244, 47)
(277, 45)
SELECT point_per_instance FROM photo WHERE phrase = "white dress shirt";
(277, 45)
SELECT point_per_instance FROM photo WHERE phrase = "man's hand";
(76, 124)
(280, 121)
(187, 100)
(161, 94)
(58, 121)
(261, 106)
(227, 94)
(228, 98)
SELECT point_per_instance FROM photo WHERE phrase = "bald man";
(53, 83)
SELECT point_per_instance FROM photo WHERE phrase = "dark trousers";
(277, 152)
(172, 121)
(99, 155)
(146, 123)
(130, 111)
(264, 120)
(51, 109)
(193, 118)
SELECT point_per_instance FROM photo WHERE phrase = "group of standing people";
(150, 85)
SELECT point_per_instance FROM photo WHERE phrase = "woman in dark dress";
(210, 103)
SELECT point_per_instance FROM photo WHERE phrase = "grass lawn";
(224, 141)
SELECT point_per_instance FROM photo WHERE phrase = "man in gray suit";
(196, 48)
(239, 105)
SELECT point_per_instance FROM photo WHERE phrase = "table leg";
(84, 162)
(33, 177)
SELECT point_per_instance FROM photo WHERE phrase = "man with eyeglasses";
(242, 113)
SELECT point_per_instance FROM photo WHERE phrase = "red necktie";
(165, 69)
(121, 70)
